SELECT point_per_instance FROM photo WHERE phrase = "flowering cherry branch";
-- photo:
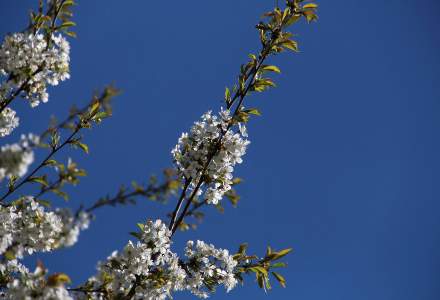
(32, 79)
(273, 40)
(94, 114)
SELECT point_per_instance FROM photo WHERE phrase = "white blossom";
(8, 121)
(12, 266)
(150, 258)
(28, 228)
(158, 272)
(33, 285)
(71, 226)
(16, 158)
(211, 148)
(31, 62)
(209, 262)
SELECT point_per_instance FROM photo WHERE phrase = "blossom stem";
(132, 291)
(196, 206)
(17, 92)
(51, 187)
(188, 203)
(179, 203)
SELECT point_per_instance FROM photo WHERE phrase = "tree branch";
(249, 78)
(42, 164)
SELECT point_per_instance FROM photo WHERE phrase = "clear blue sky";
(344, 164)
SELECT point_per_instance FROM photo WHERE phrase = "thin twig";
(179, 204)
(44, 190)
(42, 164)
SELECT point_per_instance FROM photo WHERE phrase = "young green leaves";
(262, 267)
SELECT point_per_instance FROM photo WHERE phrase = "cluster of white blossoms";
(72, 225)
(157, 272)
(147, 261)
(31, 285)
(209, 262)
(209, 153)
(8, 121)
(31, 62)
(26, 227)
(16, 158)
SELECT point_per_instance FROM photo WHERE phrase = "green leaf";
(9, 255)
(61, 194)
(280, 279)
(101, 115)
(260, 281)
(293, 20)
(68, 3)
(268, 251)
(310, 5)
(45, 203)
(310, 15)
(174, 184)
(279, 265)
(83, 146)
(50, 162)
(253, 111)
(136, 235)
(236, 180)
(262, 84)
(259, 269)
(286, 13)
(271, 69)
(41, 180)
(67, 24)
(266, 279)
(227, 95)
(94, 108)
(291, 45)
(280, 254)
(71, 34)
(233, 197)
(11, 182)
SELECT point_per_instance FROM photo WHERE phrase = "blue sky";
(343, 165)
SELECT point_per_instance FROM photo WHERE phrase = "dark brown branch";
(179, 204)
